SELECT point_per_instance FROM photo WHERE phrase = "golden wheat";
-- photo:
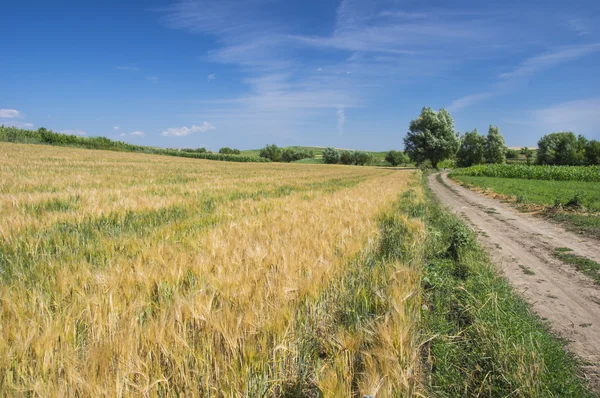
(127, 274)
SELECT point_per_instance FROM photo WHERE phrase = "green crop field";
(540, 192)
(576, 204)
(552, 173)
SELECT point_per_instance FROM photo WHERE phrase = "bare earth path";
(568, 299)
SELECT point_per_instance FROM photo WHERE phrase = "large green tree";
(495, 149)
(562, 148)
(471, 149)
(592, 152)
(331, 155)
(396, 157)
(431, 137)
(272, 152)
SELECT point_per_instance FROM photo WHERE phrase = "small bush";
(271, 152)
(331, 156)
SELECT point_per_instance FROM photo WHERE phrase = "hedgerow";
(47, 137)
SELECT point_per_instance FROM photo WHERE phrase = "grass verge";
(582, 264)
(574, 204)
(483, 338)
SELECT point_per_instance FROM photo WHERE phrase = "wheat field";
(141, 275)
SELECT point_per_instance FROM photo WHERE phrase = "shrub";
(292, 154)
(592, 152)
(44, 136)
(271, 152)
(361, 158)
(512, 154)
(346, 157)
(331, 155)
(229, 151)
(562, 149)
(395, 158)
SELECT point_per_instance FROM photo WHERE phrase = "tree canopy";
(396, 157)
(495, 149)
(431, 137)
(471, 149)
(562, 148)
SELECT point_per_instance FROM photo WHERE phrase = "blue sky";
(344, 73)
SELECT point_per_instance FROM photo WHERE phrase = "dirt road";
(568, 299)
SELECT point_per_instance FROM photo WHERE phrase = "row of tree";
(477, 149)
(348, 157)
(566, 149)
(291, 154)
(432, 138)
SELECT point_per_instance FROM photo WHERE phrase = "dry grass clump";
(126, 274)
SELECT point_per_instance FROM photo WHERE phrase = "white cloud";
(116, 128)
(527, 68)
(74, 132)
(341, 120)
(13, 123)
(468, 100)
(211, 77)
(185, 131)
(579, 116)
(152, 78)
(134, 134)
(9, 113)
(377, 47)
(550, 59)
(579, 26)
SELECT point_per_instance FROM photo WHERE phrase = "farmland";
(140, 274)
(549, 173)
(132, 274)
(571, 193)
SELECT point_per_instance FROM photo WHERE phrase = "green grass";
(526, 270)
(549, 193)
(485, 341)
(539, 192)
(581, 223)
(582, 264)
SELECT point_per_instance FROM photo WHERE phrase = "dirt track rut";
(569, 300)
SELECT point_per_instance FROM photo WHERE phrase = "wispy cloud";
(468, 100)
(580, 116)
(152, 78)
(528, 67)
(373, 45)
(14, 123)
(115, 128)
(9, 113)
(579, 26)
(134, 134)
(549, 59)
(211, 77)
(185, 131)
(341, 120)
